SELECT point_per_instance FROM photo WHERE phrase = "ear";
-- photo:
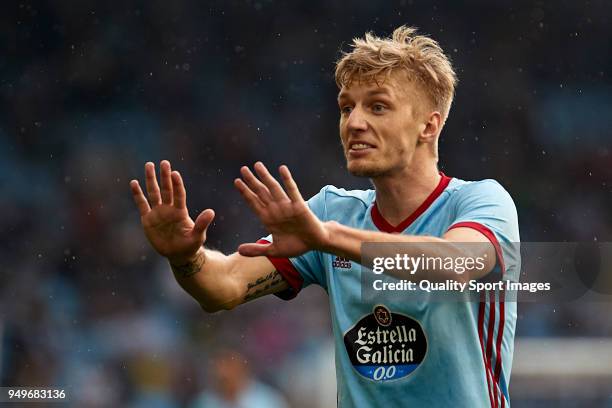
(431, 129)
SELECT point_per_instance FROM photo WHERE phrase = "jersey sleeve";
(488, 208)
(307, 268)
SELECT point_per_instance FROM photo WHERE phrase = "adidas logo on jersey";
(343, 263)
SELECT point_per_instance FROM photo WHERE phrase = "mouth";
(360, 149)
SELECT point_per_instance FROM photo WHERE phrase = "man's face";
(379, 125)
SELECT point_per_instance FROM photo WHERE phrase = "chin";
(369, 170)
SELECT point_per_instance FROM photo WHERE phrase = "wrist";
(181, 262)
(330, 229)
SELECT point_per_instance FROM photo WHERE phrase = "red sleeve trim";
(288, 271)
(490, 236)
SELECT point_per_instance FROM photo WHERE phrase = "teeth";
(359, 146)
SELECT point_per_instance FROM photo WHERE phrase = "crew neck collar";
(383, 225)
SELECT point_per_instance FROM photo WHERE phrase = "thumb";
(202, 222)
(256, 249)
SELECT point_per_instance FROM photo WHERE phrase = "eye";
(346, 109)
(379, 108)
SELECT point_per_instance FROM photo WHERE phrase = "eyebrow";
(379, 91)
(374, 92)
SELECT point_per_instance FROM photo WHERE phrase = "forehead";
(394, 86)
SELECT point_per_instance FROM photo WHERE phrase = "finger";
(151, 184)
(139, 198)
(255, 185)
(249, 196)
(179, 193)
(275, 188)
(290, 186)
(253, 249)
(166, 182)
(202, 222)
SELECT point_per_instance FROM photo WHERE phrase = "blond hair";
(373, 58)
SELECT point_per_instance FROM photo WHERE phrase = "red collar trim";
(384, 225)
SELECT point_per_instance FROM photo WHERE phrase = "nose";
(357, 120)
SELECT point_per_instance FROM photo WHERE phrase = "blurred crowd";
(91, 90)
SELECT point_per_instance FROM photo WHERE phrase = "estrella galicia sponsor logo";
(342, 263)
(385, 346)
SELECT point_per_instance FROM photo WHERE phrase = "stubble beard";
(371, 171)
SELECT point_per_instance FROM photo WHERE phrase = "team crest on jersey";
(385, 346)
(382, 315)
(342, 263)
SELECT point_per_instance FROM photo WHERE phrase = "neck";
(399, 195)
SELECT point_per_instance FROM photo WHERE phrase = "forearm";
(207, 278)
(347, 242)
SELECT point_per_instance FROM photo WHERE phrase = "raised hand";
(294, 227)
(165, 218)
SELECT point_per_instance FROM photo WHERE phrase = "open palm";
(165, 218)
(294, 227)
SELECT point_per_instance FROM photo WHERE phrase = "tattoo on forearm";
(190, 268)
(263, 285)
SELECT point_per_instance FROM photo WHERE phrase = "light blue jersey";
(448, 354)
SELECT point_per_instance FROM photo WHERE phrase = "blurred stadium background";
(91, 90)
